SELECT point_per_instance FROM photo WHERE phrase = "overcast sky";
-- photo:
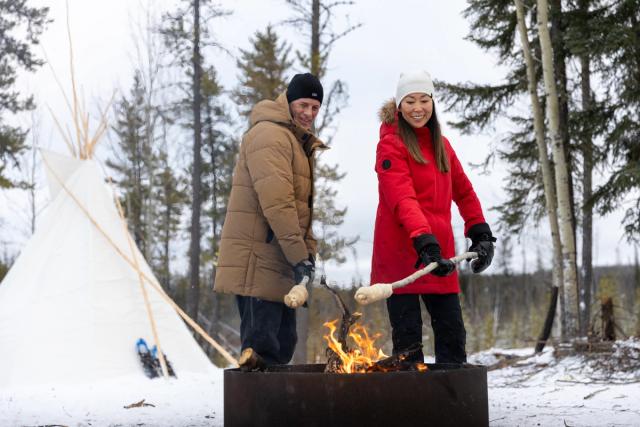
(395, 36)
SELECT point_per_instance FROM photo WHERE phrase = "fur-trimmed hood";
(388, 113)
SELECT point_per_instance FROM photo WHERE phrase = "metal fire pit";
(445, 395)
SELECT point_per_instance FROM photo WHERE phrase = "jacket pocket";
(251, 270)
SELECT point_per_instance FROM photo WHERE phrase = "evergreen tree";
(20, 29)
(619, 40)
(219, 152)
(186, 34)
(584, 118)
(263, 70)
(315, 18)
(135, 163)
(4, 269)
(169, 191)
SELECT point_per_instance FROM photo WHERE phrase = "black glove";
(428, 249)
(305, 268)
(482, 243)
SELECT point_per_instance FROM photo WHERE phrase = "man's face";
(304, 111)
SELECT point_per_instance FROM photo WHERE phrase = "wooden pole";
(152, 321)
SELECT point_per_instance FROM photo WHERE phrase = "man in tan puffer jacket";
(267, 243)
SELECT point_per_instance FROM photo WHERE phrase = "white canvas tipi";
(71, 307)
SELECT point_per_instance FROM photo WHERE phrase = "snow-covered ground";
(581, 391)
(531, 391)
(187, 401)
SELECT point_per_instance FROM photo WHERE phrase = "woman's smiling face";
(416, 108)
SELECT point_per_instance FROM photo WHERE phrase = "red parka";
(415, 198)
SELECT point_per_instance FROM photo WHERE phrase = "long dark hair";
(408, 135)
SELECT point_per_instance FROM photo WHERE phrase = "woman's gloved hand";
(428, 249)
(481, 242)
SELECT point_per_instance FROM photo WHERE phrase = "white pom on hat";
(414, 82)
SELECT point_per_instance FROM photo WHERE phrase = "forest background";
(177, 117)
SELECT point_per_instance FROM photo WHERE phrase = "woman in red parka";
(419, 175)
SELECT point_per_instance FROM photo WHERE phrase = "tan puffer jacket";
(267, 229)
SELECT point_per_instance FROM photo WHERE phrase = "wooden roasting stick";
(380, 291)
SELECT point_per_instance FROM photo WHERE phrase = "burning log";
(365, 358)
(334, 362)
(400, 361)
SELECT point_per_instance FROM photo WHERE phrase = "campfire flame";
(362, 356)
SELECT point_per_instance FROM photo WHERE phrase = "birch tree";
(570, 288)
(547, 174)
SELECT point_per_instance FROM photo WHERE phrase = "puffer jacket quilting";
(267, 228)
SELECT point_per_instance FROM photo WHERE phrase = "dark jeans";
(269, 328)
(446, 321)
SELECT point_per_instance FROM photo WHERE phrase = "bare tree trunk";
(570, 320)
(587, 210)
(547, 175)
(302, 326)
(212, 296)
(315, 38)
(560, 71)
(636, 280)
(32, 166)
(193, 295)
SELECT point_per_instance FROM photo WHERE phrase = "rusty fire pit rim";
(439, 370)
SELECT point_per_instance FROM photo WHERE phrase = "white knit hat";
(414, 82)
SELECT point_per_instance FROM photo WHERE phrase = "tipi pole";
(150, 281)
(152, 321)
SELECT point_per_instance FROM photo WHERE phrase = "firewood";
(251, 361)
(334, 363)
(398, 361)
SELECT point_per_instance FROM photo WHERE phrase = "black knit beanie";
(304, 86)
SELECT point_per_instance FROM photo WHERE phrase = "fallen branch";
(140, 404)
(590, 395)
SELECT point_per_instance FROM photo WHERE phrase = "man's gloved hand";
(428, 249)
(305, 268)
(482, 243)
